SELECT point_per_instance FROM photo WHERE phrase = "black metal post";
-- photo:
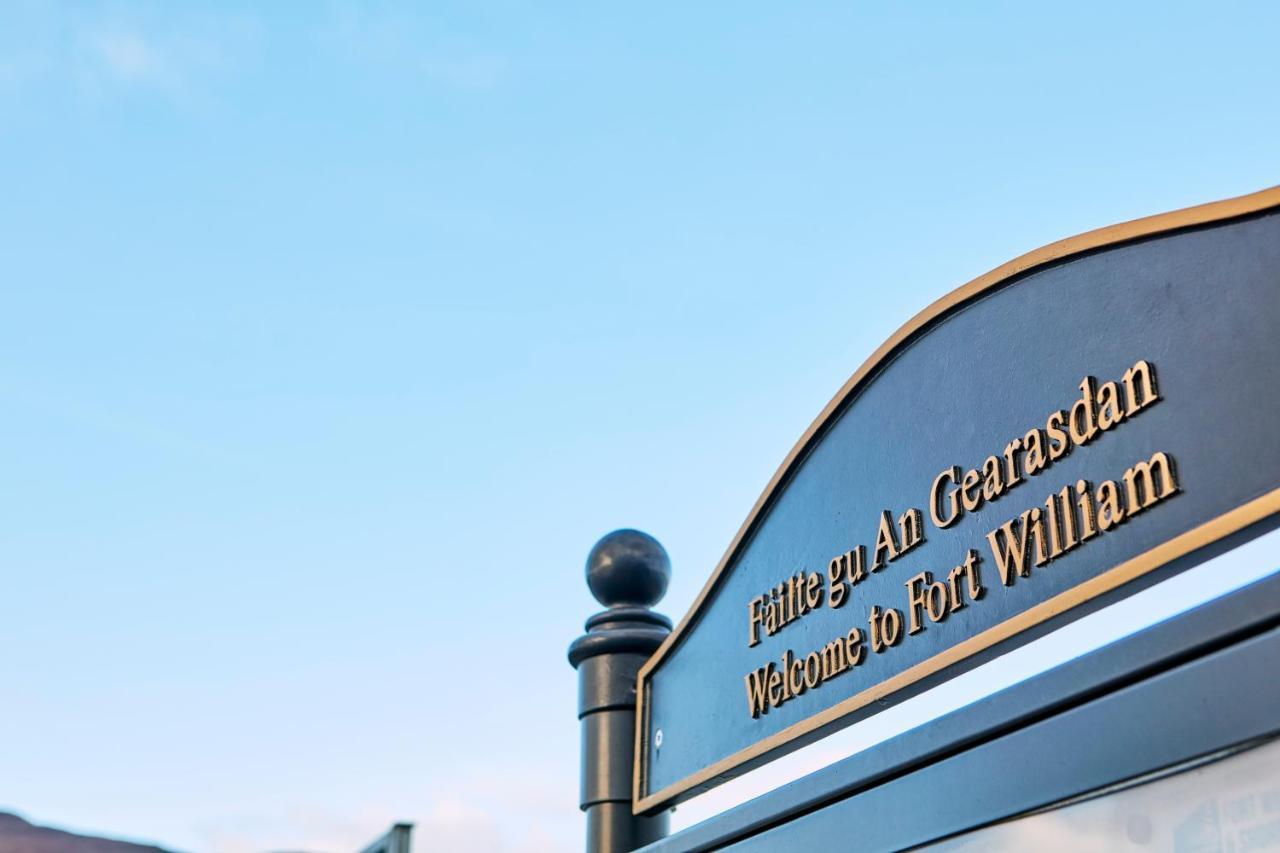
(627, 572)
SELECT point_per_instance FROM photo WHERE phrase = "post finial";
(628, 568)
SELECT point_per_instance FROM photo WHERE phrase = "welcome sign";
(1068, 519)
(1077, 424)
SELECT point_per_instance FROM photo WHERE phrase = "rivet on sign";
(657, 739)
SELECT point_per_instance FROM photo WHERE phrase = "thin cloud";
(412, 42)
(126, 55)
(100, 51)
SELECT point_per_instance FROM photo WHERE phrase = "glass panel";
(1231, 805)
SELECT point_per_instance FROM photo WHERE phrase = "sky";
(333, 335)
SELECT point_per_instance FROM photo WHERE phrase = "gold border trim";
(1205, 534)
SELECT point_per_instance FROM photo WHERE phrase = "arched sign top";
(1034, 444)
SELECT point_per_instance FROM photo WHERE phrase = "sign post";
(627, 572)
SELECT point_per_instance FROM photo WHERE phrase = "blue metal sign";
(1075, 425)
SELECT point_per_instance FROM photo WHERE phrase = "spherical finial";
(628, 567)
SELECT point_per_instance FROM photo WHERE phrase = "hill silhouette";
(21, 836)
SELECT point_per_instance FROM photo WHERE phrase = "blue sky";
(333, 335)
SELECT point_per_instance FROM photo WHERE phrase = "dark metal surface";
(626, 571)
(1204, 630)
(397, 840)
(1200, 304)
(1200, 708)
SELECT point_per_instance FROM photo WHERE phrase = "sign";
(1075, 425)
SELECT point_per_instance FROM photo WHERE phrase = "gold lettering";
(857, 560)
(886, 543)
(915, 600)
(1144, 371)
(835, 658)
(942, 519)
(1069, 539)
(911, 523)
(969, 497)
(890, 627)
(993, 486)
(771, 617)
(1009, 548)
(1140, 482)
(936, 601)
(794, 608)
(1053, 530)
(1051, 523)
(1109, 412)
(757, 693)
(754, 619)
(853, 646)
(1083, 433)
(1058, 444)
(877, 644)
(1088, 517)
(775, 683)
(812, 670)
(1033, 443)
(970, 565)
(1037, 535)
(795, 676)
(1110, 512)
(813, 590)
(772, 685)
(1011, 475)
(835, 581)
